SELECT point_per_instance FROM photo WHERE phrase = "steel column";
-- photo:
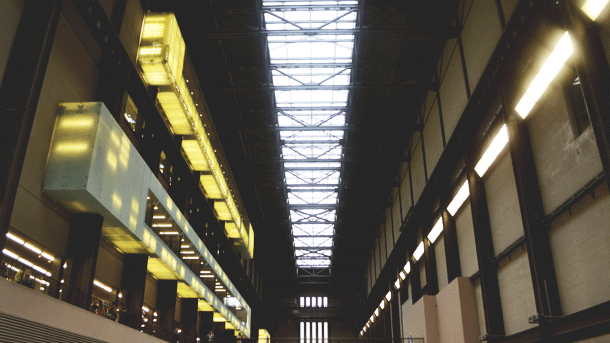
(494, 320)
(19, 94)
(430, 262)
(452, 254)
(535, 227)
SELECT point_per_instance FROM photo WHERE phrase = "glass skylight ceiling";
(311, 45)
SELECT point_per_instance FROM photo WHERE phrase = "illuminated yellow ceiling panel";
(210, 186)
(186, 291)
(193, 152)
(204, 306)
(160, 270)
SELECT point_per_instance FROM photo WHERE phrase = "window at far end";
(130, 112)
(575, 105)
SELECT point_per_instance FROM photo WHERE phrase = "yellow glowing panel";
(72, 148)
(219, 318)
(594, 7)
(229, 326)
(222, 211)
(77, 122)
(232, 230)
(160, 270)
(193, 152)
(263, 336)
(162, 49)
(211, 188)
(251, 242)
(204, 306)
(174, 112)
(185, 291)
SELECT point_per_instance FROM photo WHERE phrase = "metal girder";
(284, 142)
(312, 128)
(452, 32)
(304, 6)
(412, 84)
(317, 236)
(296, 190)
(312, 168)
(311, 65)
(314, 206)
(311, 108)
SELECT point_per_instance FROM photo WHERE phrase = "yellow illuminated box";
(162, 49)
(222, 211)
(194, 153)
(210, 186)
(232, 230)
(174, 111)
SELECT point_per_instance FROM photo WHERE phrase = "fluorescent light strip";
(382, 304)
(494, 149)
(436, 230)
(102, 286)
(388, 296)
(168, 232)
(187, 252)
(397, 284)
(15, 238)
(377, 312)
(10, 254)
(190, 257)
(459, 199)
(162, 225)
(563, 50)
(33, 248)
(419, 251)
(407, 267)
(159, 217)
(593, 8)
(402, 275)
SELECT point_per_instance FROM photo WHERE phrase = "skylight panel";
(311, 73)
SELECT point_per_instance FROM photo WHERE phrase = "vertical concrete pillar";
(132, 285)
(83, 246)
(188, 317)
(166, 303)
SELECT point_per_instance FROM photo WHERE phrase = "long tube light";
(102, 286)
(397, 283)
(407, 267)
(436, 230)
(561, 53)
(593, 8)
(419, 251)
(459, 199)
(388, 296)
(382, 304)
(494, 149)
(29, 246)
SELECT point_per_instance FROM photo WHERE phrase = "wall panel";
(516, 292)
(11, 13)
(580, 245)
(508, 7)
(422, 272)
(417, 169)
(405, 192)
(110, 268)
(131, 27)
(441, 262)
(397, 218)
(150, 291)
(503, 203)
(433, 138)
(465, 238)
(563, 164)
(453, 94)
(382, 245)
(480, 311)
(479, 37)
(389, 232)
(378, 264)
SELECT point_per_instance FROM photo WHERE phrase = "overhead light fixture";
(168, 232)
(402, 275)
(563, 50)
(102, 286)
(15, 238)
(388, 296)
(407, 267)
(190, 257)
(494, 149)
(163, 225)
(459, 199)
(382, 304)
(593, 8)
(436, 230)
(10, 254)
(377, 312)
(159, 217)
(419, 251)
(397, 284)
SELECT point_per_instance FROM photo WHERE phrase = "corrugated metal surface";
(19, 330)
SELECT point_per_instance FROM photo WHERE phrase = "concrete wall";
(420, 320)
(25, 303)
(11, 10)
(457, 312)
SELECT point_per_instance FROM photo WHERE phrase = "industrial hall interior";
(305, 171)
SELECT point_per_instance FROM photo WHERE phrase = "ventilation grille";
(19, 330)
